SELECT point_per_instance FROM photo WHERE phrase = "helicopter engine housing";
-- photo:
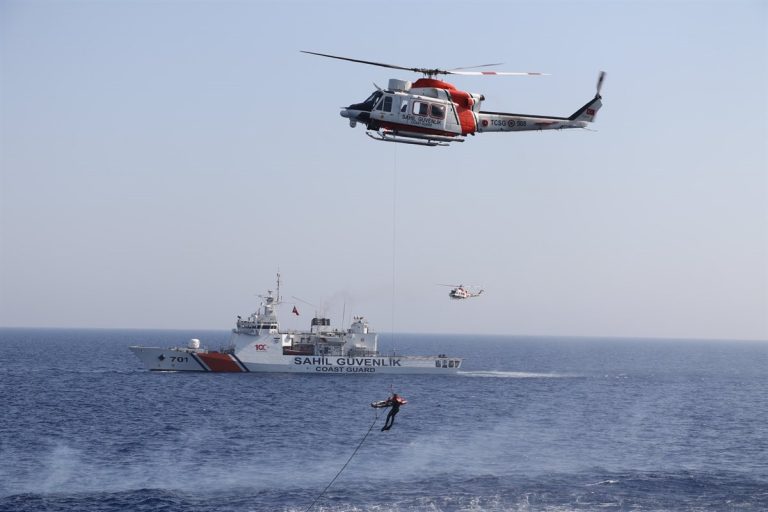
(399, 85)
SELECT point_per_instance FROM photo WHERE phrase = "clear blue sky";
(161, 160)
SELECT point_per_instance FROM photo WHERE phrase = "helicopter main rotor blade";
(429, 71)
(478, 66)
(461, 71)
(381, 64)
(498, 73)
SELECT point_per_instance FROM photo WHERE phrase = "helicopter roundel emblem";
(485, 122)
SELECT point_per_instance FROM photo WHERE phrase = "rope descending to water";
(346, 463)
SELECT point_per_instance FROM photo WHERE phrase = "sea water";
(528, 424)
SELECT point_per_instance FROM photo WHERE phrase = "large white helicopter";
(431, 112)
(460, 291)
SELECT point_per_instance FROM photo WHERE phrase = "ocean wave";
(554, 492)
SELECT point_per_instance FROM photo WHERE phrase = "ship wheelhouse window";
(445, 363)
(451, 364)
(437, 364)
(437, 111)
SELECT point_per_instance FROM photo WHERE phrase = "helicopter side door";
(426, 113)
(430, 114)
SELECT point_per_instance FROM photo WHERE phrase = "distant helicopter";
(431, 112)
(460, 291)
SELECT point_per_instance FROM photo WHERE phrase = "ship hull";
(258, 345)
(181, 359)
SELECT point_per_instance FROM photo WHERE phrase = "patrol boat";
(258, 345)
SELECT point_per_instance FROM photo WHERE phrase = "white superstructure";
(257, 344)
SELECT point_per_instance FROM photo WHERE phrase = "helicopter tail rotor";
(587, 112)
(600, 79)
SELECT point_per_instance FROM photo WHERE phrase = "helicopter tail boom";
(507, 122)
(587, 112)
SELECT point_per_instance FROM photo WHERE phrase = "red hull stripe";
(219, 362)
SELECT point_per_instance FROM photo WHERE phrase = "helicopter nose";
(354, 115)
(351, 115)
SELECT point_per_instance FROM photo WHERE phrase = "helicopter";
(430, 112)
(460, 291)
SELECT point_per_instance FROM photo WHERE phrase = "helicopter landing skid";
(409, 139)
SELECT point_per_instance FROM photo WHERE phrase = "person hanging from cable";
(394, 402)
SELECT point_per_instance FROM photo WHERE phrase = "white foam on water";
(604, 482)
(515, 375)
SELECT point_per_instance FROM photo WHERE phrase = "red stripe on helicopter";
(464, 102)
(467, 120)
(431, 82)
(219, 362)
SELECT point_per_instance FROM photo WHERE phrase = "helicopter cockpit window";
(371, 100)
(385, 104)
(437, 111)
(420, 108)
(374, 95)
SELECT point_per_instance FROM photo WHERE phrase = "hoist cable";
(394, 237)
(376, 417)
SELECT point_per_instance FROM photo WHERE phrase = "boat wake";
(515, 375)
